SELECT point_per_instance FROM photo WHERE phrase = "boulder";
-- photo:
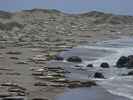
(57, 57)
(79, 66)
(90, 65)
(77, 84)
(98, 75)
(130, 61)
(74, 59)
(130, 57)
(125, 62)
(130, 73)
(104, 65)
(122, 62)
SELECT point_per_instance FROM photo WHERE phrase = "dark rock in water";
(104, 65)
(78, 66)
(130, 73)
(90, 65)
(98, 75)
(74, 59)
(77, 84)
(130, 61)
(122, 62)
(57, 57)
(125, 62)
(130, 57)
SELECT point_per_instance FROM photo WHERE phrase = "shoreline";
(92, 93)
(30, 40)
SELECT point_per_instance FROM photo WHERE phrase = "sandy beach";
(30, 39)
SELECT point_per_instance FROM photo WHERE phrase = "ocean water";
(71, 6)
(106, 51)
(93, 93)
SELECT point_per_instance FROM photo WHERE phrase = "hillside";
(41, 25)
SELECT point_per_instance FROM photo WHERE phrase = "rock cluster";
(56, 78)
(104, 65)
(125, 62)
(49, 32)
(74, 59)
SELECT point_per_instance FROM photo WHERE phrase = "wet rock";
(98, 75)
(90, 65)
(78, 66)
(125, 62)
(130, 57)
(130, 64)
(88, 83)
(104, 65)
(122, 62)
(130, 61)
(74, 59)
(77, 84)
(130, 73)
(74, 85)
(57, 57)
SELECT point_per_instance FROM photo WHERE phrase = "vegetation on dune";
(10, 25)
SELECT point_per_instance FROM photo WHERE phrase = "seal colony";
(30, 39)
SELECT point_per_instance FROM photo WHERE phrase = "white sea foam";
(117, 85)
(121, 86)
(114, 49)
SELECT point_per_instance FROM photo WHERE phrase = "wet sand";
(93, 93)
(17, 69)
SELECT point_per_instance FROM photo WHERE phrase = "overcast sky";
(71, 6)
